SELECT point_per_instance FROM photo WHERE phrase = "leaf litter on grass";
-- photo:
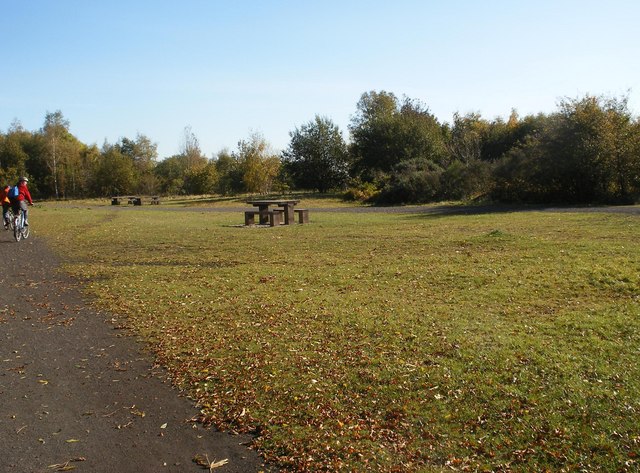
(400, 343)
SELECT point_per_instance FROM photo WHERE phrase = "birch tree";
(54, 131)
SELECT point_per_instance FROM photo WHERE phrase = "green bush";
(413, 181)
(466, 180)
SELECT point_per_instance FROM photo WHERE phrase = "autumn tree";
(229, 173)
(500, 137)
(591, 151)
(144, 154)
(190, 150)
(466, 175)
(170, 173)
(386, 131)
(259, 165)
(55, 132)
(115, 173)
(466, 137)
(88, 162)
(586, 152)
(142, 151)
(14, 146)
(202, 179)
(317, 157)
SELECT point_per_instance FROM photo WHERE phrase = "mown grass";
(311, 199)
(380, 342)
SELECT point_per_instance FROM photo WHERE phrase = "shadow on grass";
(447, 210)
(186, 201)
(438, 211)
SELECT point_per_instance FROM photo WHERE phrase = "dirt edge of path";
(78, 394)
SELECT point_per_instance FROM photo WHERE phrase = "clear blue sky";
(229, 68)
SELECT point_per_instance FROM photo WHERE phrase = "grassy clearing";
(505, 342)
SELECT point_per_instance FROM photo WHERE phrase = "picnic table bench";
(132, 199)
(274, 217)
(303, 215)
(117, 200)
(267, 214)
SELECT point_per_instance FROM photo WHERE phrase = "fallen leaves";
(66, 466)
(218, 464)
(210, 465)
(393, 357)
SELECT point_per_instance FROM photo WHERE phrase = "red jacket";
(24, 192)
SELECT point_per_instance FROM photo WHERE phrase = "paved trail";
(77, 392)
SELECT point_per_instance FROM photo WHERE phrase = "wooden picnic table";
(263, 208)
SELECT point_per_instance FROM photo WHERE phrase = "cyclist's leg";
(25, 209)
(15, 206)
(5, 212)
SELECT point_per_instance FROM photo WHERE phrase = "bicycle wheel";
(25, 232)
(17, 231)
(11, 219)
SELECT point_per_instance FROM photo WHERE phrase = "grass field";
(382, 342)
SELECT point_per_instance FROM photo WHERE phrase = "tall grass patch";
(382, 342)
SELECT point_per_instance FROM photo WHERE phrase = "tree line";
(587, 151)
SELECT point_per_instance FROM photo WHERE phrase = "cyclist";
(6, 205)
(19, 203)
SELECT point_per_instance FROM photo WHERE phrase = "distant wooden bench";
(131, 199)
(303, 215)
(118, 199)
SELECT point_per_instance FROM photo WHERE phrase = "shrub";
(466, 180)
(412, 181)
(361, 192)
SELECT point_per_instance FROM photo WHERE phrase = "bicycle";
(20, 230)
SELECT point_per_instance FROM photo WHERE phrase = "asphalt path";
(79, 394)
